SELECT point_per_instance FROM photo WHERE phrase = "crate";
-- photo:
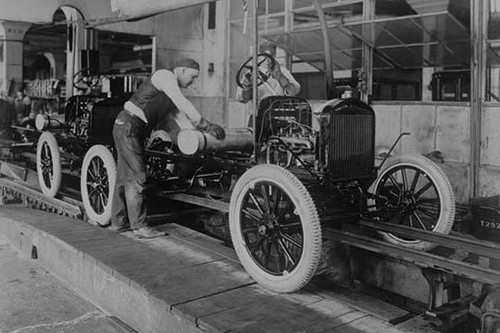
(486, 218)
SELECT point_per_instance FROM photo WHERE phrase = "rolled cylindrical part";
(193, 142)
(43, 122)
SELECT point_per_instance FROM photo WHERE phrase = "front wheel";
(413, 191)
(48, 164)
(97, 183)
(275, 228)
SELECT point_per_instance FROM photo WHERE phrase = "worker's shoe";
(147, 232)
(119, 229)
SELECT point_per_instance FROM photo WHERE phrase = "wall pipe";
(331, 90)
(255, 71)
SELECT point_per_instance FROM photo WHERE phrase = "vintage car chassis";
(280, 189)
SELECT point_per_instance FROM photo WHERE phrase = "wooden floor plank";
(200, 240)
(194, 310)
(194, 282)
(416, 324)
(201, 280)
(362, 302)
(365, 324)
(331, 323)
(273, 314)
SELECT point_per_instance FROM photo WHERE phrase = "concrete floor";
(34, 301)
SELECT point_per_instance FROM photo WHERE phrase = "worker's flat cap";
(187, 62)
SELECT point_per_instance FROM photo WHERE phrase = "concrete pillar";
(75, 39)
(426, 83)
(11, 59)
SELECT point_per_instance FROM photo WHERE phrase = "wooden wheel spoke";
(251, 215)
(420, 221)
(267, 205)
(395, 182)
(424, 189)
(46, 151)
(404, 178)
(278, 257)
(290, 225)
(286, 252)
(428, 201)
(248, 230)
(411, 221)
(256, 203)
(104, 198)
(291, 240)
(91, 174)
(276, 197)
(426, 212)
(415, 181)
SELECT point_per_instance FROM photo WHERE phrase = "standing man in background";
(279, 83)
(158, 98)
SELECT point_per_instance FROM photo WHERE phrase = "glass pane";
(272, 24)
(276, 6)
(391, 8)
(302, 3)
(299, 42)
(493, 54)
(398, 32)
(346, 37)
(298, 4)
(342, 14)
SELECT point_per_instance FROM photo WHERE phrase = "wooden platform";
(186, 282)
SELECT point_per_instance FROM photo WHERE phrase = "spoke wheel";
(246, 69)
(97, 183)
(275, 228)
(413, 191)
(48, 164)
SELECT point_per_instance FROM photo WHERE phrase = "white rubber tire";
(98, 156)
(49, 179)
(305, 208)
(445, 192)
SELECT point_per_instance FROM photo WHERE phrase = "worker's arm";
(165, 81)
(286, 80)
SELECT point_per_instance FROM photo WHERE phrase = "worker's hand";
(276, 73)
(246, 82)
(216, 130)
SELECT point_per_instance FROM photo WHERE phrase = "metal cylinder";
(193, 142)
(43, 122)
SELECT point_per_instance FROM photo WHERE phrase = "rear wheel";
(413, 191)
(275, 228)
(97, 183)
(48, 164)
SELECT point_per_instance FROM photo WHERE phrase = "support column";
(11, 56)
(75, 39)
(367, 51)
(479, 32)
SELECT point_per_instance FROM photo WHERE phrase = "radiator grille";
(350, 146)
(102, 119)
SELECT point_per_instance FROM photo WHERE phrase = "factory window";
(409, 40)
(493, 53)
(211, 15)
